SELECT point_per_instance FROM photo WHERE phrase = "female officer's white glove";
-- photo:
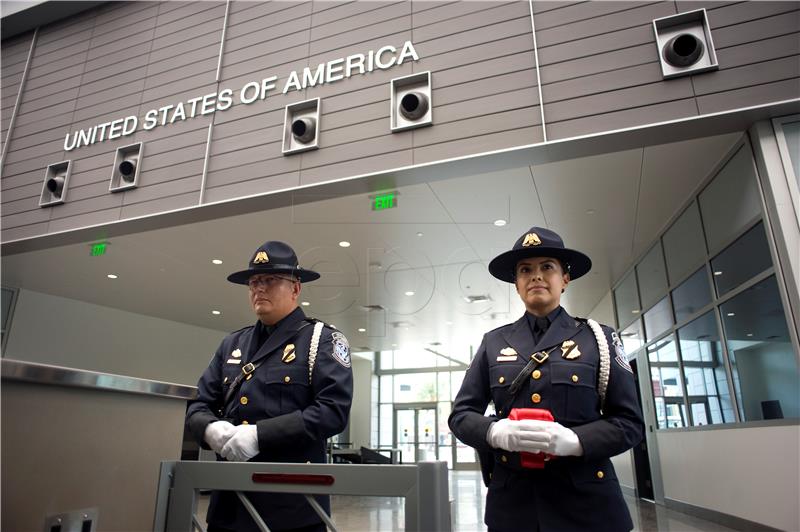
(218, 433)
(534, 436)
(243, 445)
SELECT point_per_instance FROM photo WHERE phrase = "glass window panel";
(763, 363)
(386, 359)
(464, 453)
(658, 319)
(731, 200)
(627, 300)
(743, 259)
(652, 276)
(386, 389)
(443, 382)
(791, 131)
(632, 337)
(386, 436)
(666, 382)
(704, 372)
(692, 295)
(8, 297)
(415, 388)
(445, 437)
(684, 247)
(456, 378)
(414, 358)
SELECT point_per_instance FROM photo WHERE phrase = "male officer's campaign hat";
(539, 242)
(273, 257)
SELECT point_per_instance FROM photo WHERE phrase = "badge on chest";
(507, 354)
(569, 350)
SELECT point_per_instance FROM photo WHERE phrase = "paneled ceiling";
(419, 262)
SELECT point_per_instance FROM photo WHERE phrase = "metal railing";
(424, 487)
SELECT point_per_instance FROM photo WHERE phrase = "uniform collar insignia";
(237, 353)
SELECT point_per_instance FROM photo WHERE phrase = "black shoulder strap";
(516, 385)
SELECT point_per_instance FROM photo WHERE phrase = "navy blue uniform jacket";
(294, 417)
(570, 493)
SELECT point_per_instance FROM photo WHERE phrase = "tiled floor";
(367, 514)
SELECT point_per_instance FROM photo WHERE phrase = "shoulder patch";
(621, 357)
(341, 349)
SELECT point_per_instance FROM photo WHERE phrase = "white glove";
(534, 436)
(218, 433)
(517, 436)
(243, 445)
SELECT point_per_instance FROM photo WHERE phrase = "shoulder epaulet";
(242, 329)
(314, 321)
(501, 327)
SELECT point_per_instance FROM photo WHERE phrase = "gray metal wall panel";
(739, 98)
(763, 28)
(255, 185)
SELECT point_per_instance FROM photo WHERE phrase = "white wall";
(751, 473)
(66, 332)
(603, 312)
(623, 465)
(360, 410)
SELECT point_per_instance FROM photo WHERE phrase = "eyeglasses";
(267, 282)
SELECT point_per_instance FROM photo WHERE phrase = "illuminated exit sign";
(98, 249)
(384, 201)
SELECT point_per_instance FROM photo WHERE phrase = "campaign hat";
(273, 257)
(539, 242)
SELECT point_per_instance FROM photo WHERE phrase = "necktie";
(539, 328)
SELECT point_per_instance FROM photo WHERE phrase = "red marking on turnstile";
(287, 478)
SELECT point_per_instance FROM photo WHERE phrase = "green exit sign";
(98, 249)
(384, 201)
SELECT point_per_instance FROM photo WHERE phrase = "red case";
(531, 460)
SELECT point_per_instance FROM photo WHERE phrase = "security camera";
(127, 170)
(55, 185)
(414, 105)
(304, 129)
(683, 50)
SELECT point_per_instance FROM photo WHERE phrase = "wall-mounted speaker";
(411, 102)
(301, 126)
(56, 181)
(125, 172)
(684, 44)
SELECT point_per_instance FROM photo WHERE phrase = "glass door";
(415, 432)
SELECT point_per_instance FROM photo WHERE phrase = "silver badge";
(621, 358)
(341, 349)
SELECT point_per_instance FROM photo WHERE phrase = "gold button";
(501, 380)
(574, 378)
(243, 400)
(287, 379)
(536, 398)
(245, 422)
(503, 459)
(536, 374)
(499, 412)
(600, 474)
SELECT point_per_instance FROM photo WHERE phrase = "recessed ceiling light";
(216, 312)
(111, 276)
(717, 273)
(419, 233)
(305, 303)
(749, 334)
(635, 311)
(410, 293)
(344, 244)
(216, 261)
(500, 222)
(590, 211)
(362, 329)
(448, 323)
(731, 314)
(394, 345)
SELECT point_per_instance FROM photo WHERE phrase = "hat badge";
(531, 239)
(261, 258)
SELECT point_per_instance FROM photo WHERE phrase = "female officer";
(549, 475)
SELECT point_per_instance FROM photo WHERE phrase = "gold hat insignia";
(237, 353)
(569, 350)
(261, 258)
(288, 353)
(531, 239)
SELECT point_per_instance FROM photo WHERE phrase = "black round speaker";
(55, 185)
(127, 169)
(303, 129)
(414, 105)
(683, 50)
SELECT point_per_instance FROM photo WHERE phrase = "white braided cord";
(605, 360)
(312, 351)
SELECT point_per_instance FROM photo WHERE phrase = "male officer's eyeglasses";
(267, 282)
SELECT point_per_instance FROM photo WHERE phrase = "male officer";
(274, 392)
(561, 365)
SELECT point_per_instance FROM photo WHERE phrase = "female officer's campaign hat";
(273, 257)
(539, 242)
